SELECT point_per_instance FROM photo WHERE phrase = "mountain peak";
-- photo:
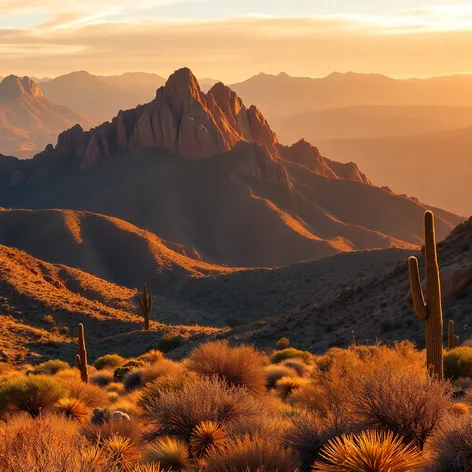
(182, 85)
(14, 87)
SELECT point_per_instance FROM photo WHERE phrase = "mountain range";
(194, 194)
(28, 120)
(207, 172)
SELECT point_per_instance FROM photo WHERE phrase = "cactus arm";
(416, 290)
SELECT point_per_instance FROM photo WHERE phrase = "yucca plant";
(207, 436)
(72, 408)
(169, 453)
(121, 450)
(369, 451)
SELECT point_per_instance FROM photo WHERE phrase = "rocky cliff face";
(196, 125)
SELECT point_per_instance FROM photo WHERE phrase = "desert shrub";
(51, 367)
(102, 379)
(72, 409)
(297, 365)
(33, 394)
(165, 384)
(282, 343)
(116, 387)
(451, 446)
(275, 372)
(287, 385)
(264, 425)
(372, 451)
(133, 380)
(126, 406)
(177, 413)
(100, 432)
(397, 400)
(252, 454)
(207, 436)
(49, 444)
(109, 361)
(151, 356)
(241, 366)
(307, 434)
(168, 343)
(159, 369)
(169, 453)
(121, 450)
(128, 366)
(92, 395)
(291, 353)
(458, 363)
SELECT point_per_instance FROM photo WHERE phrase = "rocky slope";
(207, 172)
(28, 120)
(378, 305)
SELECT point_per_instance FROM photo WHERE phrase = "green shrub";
(168, 343)
(33, 394)
(291, 353)
(51, 367)
(458, 363)
(111, 361)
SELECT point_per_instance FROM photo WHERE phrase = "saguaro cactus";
(81, 358)
(430, 311)
(452, 341)
(145, 302)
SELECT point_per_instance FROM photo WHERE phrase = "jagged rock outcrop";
(196, 125)
(13, 88)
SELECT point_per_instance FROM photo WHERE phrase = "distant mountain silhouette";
(101, 97)
(28, 120)
(436, 168)
(283, 96)
(207, 172)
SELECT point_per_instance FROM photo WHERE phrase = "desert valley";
(271, 273)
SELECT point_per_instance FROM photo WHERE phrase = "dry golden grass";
(73, 409)
(240, 366)
(91, 395)
(370, 451)
(169, 453)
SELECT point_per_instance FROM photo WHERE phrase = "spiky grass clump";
(165, 384)
(73, 409)
(252, 454)
(109, 361)
(452, 446)
(460, 409)
(169, 453)
(151, 356)
(148, 468)
(241, 366)
(370, 451)
(275, 372)
(51, 367)
(298, 366)
(92, 395)
(102, 378)
(288, 385)
(121, 450)
(177, 413)
(207, 436)
(291, 353)
(33, 394)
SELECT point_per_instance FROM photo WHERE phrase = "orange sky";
(112, 37)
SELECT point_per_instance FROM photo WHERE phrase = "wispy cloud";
(117, 35)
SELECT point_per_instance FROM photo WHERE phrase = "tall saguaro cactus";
(430, 311)
(145, 303)
(81, 358)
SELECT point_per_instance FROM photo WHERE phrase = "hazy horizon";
(233, 41)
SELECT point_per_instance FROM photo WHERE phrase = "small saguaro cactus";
(145, 303)
(452, 341)
(430, 311)
(81, 358)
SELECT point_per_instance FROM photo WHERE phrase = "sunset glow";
(231, 42)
